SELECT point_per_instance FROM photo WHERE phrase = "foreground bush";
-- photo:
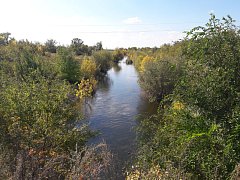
(197, 127)
(42, 135)
(91, 162)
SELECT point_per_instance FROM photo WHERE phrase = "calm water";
(114, 109)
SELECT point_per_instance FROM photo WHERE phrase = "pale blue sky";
(117, 23)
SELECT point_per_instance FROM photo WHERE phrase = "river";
(117, 103)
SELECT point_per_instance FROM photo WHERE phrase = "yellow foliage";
(144, 62)
(88, 67)
(135, 175)
(53, 153)
(86, 88)
(39, 48)
(178, 105)
(141, 57)
(152, 173)
(13, 42)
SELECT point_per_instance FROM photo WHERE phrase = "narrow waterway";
(117, 103)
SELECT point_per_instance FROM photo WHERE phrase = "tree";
(50, 46)
(78, 46)
(4, 38)
(77, 41)
(99, 46)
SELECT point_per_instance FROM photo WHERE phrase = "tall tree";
(77, 46)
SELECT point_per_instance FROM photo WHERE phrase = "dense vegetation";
(195, 133)
(159, 69)
(42, 135)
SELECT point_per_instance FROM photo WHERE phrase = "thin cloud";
(211, 12)
(132, 20)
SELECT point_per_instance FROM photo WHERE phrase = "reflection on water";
(114, 109)
(105, 84)
(116, 68)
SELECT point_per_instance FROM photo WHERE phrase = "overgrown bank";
(42, 135)
(195, 134)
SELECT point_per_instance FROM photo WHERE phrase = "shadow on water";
(116, 68)
(105, 83)
(117, 103)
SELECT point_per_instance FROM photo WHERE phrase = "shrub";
(158, 78)
(103, 60)
(145, 62)
(88, 67)
(118, 55)
(50, 46)
(198, 132)
(41, 133)
(86, 88)
(69, 67)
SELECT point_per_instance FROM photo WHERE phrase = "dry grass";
(93, 162)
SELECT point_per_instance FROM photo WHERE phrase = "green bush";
(103, 60)
(50, 46)
(159, 78)
(69, 67)
(41, 133)
(38, 116)
(118, 55)
(210, 88)
(199, 131)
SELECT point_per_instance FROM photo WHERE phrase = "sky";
(117, 23)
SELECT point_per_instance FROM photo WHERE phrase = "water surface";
(117, 103)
